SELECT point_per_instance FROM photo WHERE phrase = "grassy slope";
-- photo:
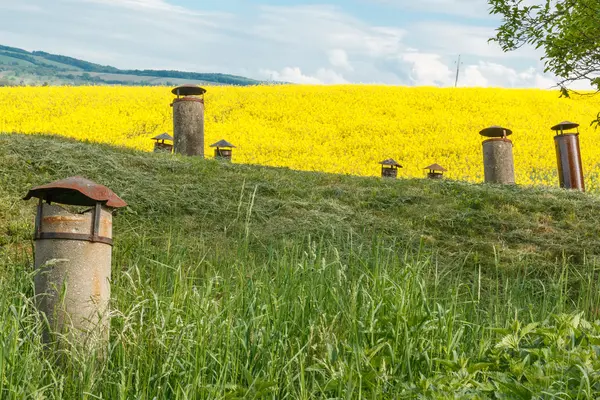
(233, 278)
(458, 220)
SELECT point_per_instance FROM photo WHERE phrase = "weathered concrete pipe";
(188, 120)
(568, 156)
(498, 162)
(73, 253)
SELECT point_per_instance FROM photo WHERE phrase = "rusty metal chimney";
(160, 146)
(436, 171)
(568, 156)
(498, 163)
(73, 258)
(188, 120)
(389, 168)
(223, 150)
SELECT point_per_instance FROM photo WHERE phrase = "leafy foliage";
(556, 358)
(568, 31)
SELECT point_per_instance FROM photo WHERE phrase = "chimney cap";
(436, 167)
(77, 191)
(495, 131)
(163, 136)
(188, 90)
(222, 143)
(390, 161)
(565, 125)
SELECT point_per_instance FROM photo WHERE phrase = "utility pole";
(457, 71)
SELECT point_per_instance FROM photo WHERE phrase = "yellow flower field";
(339, 129)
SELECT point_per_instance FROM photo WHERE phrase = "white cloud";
(144, 6)
(581, 85)
(292, 75)
(472, 40)
(315, 44)
(473, 77)
(326, 27)
(339, 58)
(328, 76)
(463, 8)
(427, 69)
(295, 75)
(13, 6)
(544, 82)
(489, 74)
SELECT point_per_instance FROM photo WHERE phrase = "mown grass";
(235, 281)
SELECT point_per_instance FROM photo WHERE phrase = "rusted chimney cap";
(565, 125)
(222, 143)
(163, 136)
(495, 131)
(436, 167)
(390, 161)
(77, 191)
(188, 90)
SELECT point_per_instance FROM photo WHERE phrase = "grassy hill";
(21, 67)
(239, 281)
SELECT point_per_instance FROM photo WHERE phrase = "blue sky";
(397, 42)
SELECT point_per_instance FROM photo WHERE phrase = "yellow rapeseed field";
(339, 129)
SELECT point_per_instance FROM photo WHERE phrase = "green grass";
(237, 281)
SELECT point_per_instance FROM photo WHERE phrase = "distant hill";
(21, 67)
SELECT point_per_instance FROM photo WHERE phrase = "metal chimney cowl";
(73, 254)
(568, 156)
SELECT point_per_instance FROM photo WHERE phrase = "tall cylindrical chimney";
(568, 156)
(498, 163)
(188, 120)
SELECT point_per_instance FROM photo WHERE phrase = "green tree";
(568, 31)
